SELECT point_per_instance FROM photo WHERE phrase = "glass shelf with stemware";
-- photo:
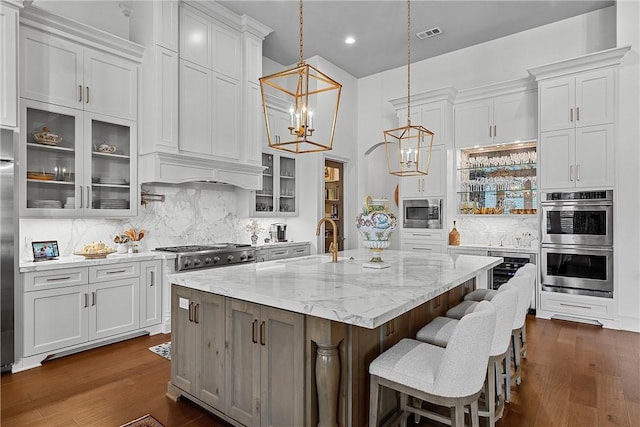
(500, 180)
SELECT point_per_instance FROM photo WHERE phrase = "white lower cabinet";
(423, 241)
(581, 306)
(74, 306)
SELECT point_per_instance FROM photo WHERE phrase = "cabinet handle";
(262, 333)
(254, 325)
(190, 312)
(86, 300)
(495, 130)
(88, 198)
(152, 278)
(577, 114)
(55, 279)
(490, 131)
(116, 271)
(196, 313)
(80, 93)
(576, 306)
(570, 114)
(571, 173)
(422, 249)
(94, 298)
(81, 199)
(87, 94)
(578, 173)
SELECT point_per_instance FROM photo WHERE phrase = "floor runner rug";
(163, 350)
(146, 421)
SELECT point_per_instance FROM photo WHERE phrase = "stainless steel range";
(192, 257)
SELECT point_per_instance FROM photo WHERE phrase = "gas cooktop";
(191, 257)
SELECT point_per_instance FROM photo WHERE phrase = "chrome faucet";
(333, 247)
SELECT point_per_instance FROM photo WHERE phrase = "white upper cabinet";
(8, 66)
(495, 120)
(63, 72)
(166, 21)
(227, 98)
(195, 109)
(583, 100)
(433, 184)
(227, 53)
(195, 37)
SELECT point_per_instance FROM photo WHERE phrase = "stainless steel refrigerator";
(8, 231)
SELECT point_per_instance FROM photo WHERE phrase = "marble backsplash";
(190, 214)
(491, 230)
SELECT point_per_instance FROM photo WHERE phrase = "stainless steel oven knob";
(216, 259)
(187, 262)
(243, 257)
(230, 258)
(196, 262)
(207, 260)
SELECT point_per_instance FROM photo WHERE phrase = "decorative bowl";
(106, 148)
(46, 137)
(95, 255)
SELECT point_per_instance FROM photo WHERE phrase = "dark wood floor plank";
(582, 416)
(612, 407)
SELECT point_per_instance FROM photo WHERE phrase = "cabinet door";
(183, 339)
(110, 177)
(195, 37)
(556, 157)
(209, 317)
(110, 85)
(8, 66)
(226, 117)
(433, 118)
(595, 156)
(242, 362)
(195, 109)
(254, 124)
(227, 54)
(51, 176)
(474, 123)
(410, 186)
(595, 98)
(434, 184)
(150, 293)
(282, 368)
(52, 69)
(55, 318)
(514, 117)
(166, 108)
(114, 307)
(557, 99)
(166, 19)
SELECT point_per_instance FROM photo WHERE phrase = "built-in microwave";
(422, 213)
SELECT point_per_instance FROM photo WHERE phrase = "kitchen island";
(289, 342)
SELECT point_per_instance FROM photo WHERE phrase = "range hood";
(169, 168)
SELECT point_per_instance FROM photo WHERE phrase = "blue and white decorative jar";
(375, 225)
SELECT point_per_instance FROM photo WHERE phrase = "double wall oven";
(577, 243)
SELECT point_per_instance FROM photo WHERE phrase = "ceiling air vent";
(435, 31)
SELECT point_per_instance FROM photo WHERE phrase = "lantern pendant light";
(309, 97)
(409, 147)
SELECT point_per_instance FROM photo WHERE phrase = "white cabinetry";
(74, 306)
(8, 64)
(577, 113)
(150, 293)
(279, 187)
(83, 78)
(422, 241)
(498, 119)
(73, 177)
(434, 184)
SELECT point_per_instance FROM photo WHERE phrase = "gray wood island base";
(289, 342)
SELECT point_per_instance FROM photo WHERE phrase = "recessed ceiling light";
(349, 40)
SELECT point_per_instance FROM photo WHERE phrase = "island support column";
(326, 370)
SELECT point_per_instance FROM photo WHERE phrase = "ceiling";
(380, 27)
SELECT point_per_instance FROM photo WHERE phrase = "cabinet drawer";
(577, 305)
(297, 251)
(51, 279)
(279, 253)
(422, 246)
(103, 273)
(421, 234)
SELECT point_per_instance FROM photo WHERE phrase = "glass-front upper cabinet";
(498, 180)
(278, 193)
(76, 163)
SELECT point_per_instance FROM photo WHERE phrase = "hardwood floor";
(574, 375)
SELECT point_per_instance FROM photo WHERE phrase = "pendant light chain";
(408, 62)
(301, 35)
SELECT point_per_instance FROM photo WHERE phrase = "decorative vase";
(375, 225)
(134, 247)
(122, 248)
(254, 239)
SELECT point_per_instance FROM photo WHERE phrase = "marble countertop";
(506, 248)
(79, 261)
(345, 292)
(279, 244)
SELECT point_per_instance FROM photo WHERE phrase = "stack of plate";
(113, 181)
(113, 204)
(44, 204)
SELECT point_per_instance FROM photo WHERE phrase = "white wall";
(103, 14)
(627, 197)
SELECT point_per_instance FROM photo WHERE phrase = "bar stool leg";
(374, 401)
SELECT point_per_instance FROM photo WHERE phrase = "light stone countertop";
(345, 292)
(79, 261)
(507, 248)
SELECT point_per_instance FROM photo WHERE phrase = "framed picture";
(45, 250)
